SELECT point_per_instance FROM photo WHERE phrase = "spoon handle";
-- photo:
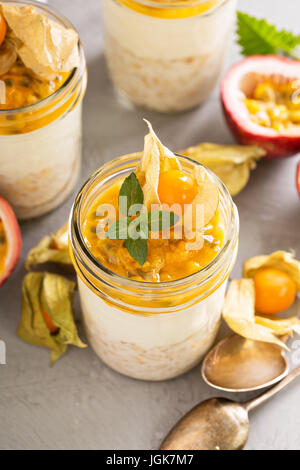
(265, 396)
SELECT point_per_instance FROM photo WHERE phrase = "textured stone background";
(80, 403)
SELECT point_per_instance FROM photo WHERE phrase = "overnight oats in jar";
(153, 239)
(166, 55)
(42, 82)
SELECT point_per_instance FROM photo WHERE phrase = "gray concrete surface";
(80, 403)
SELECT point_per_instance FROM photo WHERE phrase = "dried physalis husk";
(49, 294)
(156, 159)
(239, 313)
(231, 163)
(281, 260)
(51, 249)
(44, 45)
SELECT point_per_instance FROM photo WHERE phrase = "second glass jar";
(166, 56)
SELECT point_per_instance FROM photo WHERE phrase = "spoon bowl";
(216, 424)
(237, 364)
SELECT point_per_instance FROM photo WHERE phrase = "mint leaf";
(119, 230)
(130, 193)
(138, 228)
(260, 37)
(138, 249)
(161, 220)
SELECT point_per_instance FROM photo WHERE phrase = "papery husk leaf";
(56, 300)
(239, 313)
(45, 46)
(53, 294)
(280, 326)
(51, 249)
(231, 163)
(155, 159)
(282, 260)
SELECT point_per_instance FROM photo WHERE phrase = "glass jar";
(149, 331)
(166, 56)
(40, 144)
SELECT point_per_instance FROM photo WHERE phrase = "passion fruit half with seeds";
(261, 101)
(10, 241)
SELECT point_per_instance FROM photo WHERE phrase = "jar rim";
(75, 235)
(178, 4)
(75, 75)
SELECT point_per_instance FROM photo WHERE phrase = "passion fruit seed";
(272, 105)
(275, 291)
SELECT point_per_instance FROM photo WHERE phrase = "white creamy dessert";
(153, 316)
(168, 57)
(44, 80)
(155, 347)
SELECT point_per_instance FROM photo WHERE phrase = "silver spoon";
(218, 424)
(237, 364)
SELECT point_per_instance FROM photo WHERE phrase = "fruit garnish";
(47, 317)
(157, 162)
(135, 228)
(239, 314)
(3, 28)
(10, 241)
(51, 249)
(298, 178)
(275, 291)
(231, 163)
(44, 45)
(176, 187)
(260, 97)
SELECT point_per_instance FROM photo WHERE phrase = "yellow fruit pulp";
(275, 105)
(3, 247)
(167, 260)
(169, 9)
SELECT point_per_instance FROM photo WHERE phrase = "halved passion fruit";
(261, 101)
(10, 241)
(298, 178)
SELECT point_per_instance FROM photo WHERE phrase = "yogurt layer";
(155, 347)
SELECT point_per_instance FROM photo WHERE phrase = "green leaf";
(119, 230)
(130, 194)
(260, 37)
(138, 249)
(161, 220)
(138, 228)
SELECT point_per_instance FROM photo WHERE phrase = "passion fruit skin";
(298, 178)
(13, 234)
(277, 146)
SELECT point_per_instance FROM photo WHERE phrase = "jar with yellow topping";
(166, 55)
(151, 320)
(40, 108)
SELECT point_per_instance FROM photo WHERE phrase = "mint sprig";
(134, 227)
(257, 36)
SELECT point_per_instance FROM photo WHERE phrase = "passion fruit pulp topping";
(24, 88)
(275, 105)
(3, 247)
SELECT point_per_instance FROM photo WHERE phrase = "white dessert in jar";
(158, 329)
(166, 56)
(40, 134)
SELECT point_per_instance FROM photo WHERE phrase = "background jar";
(149, 331)
(166, 56)
(40, 144)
